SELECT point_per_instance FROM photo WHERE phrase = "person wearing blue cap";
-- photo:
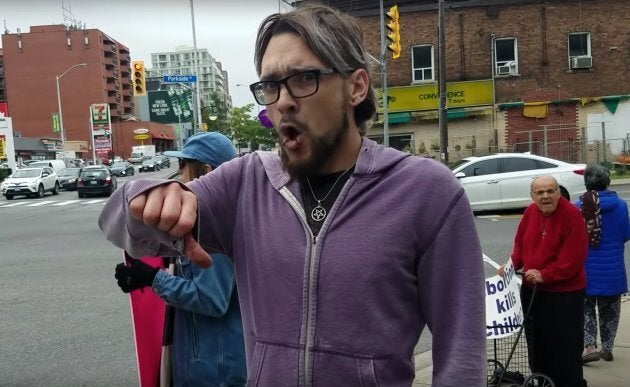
(208, 347)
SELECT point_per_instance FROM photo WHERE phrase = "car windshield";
(460, 162)
(39, 164)
(118, 165)
(95, 173)
(69, 172)
(148, 162)
(27, 173)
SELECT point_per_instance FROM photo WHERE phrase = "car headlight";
(124, 172)
(71, 180)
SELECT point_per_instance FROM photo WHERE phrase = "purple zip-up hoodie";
(398, 251)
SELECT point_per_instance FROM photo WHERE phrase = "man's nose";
(286, 101)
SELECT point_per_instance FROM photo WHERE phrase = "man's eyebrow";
(275, 76)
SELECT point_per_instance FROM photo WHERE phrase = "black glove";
(136, 276)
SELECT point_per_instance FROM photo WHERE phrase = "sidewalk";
(598, 374)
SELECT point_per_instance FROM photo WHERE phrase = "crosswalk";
(48, 203)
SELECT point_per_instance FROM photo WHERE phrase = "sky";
(226, 28)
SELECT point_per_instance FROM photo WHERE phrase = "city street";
(65, 322)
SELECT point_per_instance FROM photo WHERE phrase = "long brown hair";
(196, 168)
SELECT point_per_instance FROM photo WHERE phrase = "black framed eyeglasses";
(549, 192)
(299, 85)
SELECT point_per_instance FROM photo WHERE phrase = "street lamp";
(63, 139)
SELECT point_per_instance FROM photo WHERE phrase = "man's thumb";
(195, 253)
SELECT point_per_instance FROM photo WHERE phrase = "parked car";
(96, 180)
(78, 163)
(122, 168)
(165, 161)
(68, 178)
(502, 181)
(151, 164)
(30, 182)
(56, 165)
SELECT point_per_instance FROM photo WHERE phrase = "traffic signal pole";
(442, 120)
(383, 66)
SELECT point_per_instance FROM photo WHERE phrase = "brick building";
(522, 75)
(33, 61)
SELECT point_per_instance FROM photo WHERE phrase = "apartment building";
(212, 78)
(34, 60)
(548, 77)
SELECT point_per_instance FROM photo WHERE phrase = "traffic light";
(139, 78)
(393, 35)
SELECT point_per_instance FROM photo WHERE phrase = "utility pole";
(197, 73)
(442, 120)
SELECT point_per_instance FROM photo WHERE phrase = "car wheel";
(81, 195)
(565, 193)
(9, 197)
(40, 191)
(56, 189)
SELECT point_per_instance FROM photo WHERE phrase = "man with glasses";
(550, 248)
(344, 250)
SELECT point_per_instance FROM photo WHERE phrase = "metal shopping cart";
(508, 361)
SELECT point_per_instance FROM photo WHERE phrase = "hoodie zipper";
(297, 207)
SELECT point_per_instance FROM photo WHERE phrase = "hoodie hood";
(608, 200)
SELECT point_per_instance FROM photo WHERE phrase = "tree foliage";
(218, 108)
(247, 129)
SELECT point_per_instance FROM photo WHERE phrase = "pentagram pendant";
(318, 213)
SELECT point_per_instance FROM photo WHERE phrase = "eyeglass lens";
(299, 85)
(548, 192)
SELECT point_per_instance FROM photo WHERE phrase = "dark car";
(96, 180)
(151, 164)
(165, 161)
(68, 178)
(122, 168)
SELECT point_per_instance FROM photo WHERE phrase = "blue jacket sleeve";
(625, 209)
(207, 291)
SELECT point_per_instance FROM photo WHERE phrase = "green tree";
(247, 129)
(217, 109)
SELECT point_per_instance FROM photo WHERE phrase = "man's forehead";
(544, 182)
(286, 54)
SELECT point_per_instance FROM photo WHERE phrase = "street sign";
(144, 136)
(56, 125)
(179, 78)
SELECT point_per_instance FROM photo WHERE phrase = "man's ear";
(207, 168)
(358, 87)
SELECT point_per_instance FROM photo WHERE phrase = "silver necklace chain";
(319, 212)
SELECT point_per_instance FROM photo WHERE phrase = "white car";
(30, 182)
(502, 181)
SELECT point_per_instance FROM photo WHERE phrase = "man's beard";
(322, 148)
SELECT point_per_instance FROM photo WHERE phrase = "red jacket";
(556, 245)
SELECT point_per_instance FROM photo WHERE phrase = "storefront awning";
(399, 118)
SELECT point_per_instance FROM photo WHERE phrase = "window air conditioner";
(507, 68)
(581, 62)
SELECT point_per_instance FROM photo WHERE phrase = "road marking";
(14, 204)
(488, 216)
(39, 203)
(66, 202)
(95, 201)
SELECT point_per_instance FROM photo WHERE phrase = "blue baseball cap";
(208, 147)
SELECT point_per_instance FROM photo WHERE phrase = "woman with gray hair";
(608, 227)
